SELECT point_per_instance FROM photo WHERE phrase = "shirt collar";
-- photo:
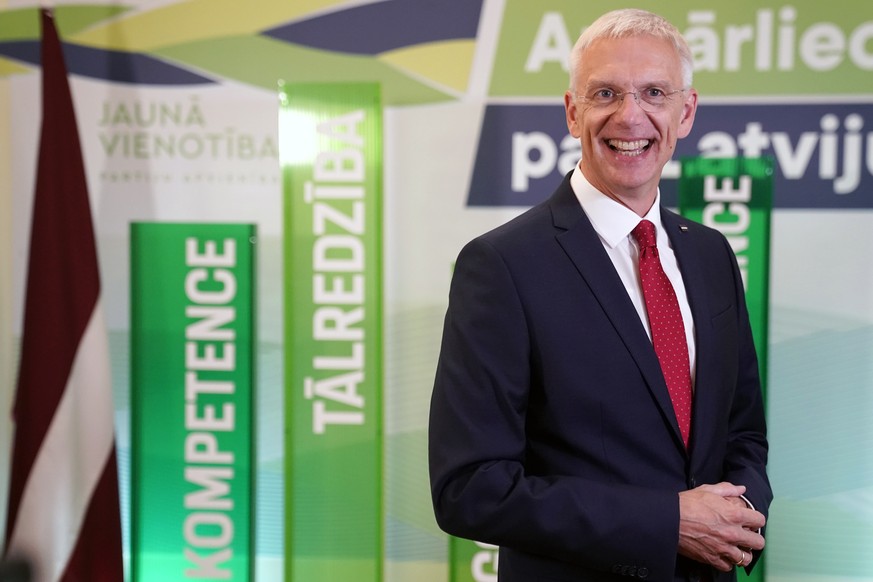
(612, 221)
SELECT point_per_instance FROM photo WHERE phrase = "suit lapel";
(582, 245)
(688, 257)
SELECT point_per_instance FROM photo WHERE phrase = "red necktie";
(665, 320)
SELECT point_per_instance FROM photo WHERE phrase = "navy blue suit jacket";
(552, 433)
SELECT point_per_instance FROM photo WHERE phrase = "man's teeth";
(628, 147)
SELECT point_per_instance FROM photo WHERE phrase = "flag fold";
(63, 509)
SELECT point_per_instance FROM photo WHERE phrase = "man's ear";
(572, 115)
(689, 110)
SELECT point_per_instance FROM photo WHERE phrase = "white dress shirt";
(613, 223)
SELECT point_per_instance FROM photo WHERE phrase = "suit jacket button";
(692, 482)
(642, 573)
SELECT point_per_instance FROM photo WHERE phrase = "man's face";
(625, 145)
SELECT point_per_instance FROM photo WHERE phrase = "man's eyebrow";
(598, 83)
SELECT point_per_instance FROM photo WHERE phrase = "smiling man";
(597, 410)
(626, 142)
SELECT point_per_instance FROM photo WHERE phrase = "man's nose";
(629, 105)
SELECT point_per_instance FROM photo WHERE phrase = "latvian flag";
(63, 513)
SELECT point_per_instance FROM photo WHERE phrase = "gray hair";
(630, 22)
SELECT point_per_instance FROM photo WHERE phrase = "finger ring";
(742, 559)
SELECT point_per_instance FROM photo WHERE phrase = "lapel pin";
(683, 228)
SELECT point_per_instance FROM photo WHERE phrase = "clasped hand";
(717, 527)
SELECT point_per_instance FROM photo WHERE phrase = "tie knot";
(644, 232)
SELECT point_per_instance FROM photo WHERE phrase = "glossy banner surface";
(331, 152)
(192, 401)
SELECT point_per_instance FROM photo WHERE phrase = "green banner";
(735, 196)
(193, 400)
(739, 48)
(331, 153)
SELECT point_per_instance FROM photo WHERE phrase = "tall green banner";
(193, 401)
(331, 153)
(735, 196)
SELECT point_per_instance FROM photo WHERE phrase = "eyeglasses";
(651, 99)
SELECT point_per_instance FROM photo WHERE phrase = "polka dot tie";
(665, 321)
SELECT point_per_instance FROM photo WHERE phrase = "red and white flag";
(63, 516)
